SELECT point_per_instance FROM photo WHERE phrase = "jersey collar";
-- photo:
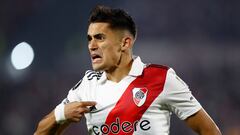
(136, 69)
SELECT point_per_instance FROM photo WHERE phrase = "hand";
(75, 111)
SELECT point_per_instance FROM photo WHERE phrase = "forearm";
(202, 124)
(49, 126)
(72, 112)
(211, 130)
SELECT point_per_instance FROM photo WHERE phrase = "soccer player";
(123, 95)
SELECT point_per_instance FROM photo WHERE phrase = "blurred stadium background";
(199, 39)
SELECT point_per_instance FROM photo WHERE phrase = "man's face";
(104, 45)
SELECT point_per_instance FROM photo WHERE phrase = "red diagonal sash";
(126, 112)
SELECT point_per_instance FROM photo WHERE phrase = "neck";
(122, 70)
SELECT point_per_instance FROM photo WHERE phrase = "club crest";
(139, 96)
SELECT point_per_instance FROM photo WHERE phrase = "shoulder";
(173, 77)
(156, 69)
(89, 77)
(169, 71)
(174, 83)
(172, 80)
(92, 75)
(164, 67)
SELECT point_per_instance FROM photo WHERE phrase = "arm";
(178, 97)
(48, 125)
(202, 123)
(73, 113)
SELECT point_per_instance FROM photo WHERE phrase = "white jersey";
(141, 103)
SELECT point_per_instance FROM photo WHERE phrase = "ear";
(126, 43)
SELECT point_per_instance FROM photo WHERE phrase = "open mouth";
(96, 58)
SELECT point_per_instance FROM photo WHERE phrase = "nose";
(92, 45)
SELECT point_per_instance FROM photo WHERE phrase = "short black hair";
(117, 18)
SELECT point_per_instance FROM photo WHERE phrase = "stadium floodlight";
(22, 56)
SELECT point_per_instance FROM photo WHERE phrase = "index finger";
(87, 103)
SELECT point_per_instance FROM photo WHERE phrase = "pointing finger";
(87, 103)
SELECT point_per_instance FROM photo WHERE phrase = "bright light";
(22, 56)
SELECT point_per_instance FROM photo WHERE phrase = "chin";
(97, 67)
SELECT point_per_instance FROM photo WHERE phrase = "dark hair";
(117, 18)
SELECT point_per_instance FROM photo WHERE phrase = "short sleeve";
(178, 97)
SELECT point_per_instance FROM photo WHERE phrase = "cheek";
(111, 55)
(110, 52)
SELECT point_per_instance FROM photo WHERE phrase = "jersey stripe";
(125, 110)
(91, 74)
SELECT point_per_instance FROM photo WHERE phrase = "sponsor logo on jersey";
(139, 96)
(125, 127)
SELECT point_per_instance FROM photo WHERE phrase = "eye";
(99, 37)
(89, 38)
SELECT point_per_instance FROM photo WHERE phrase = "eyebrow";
(97, 36)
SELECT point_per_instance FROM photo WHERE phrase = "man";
(123, 95)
